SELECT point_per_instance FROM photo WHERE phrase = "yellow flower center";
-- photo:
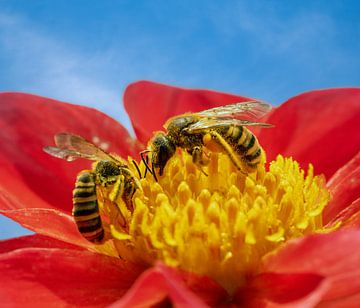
(220, 224)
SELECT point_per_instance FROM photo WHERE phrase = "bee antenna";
(145, 160)
(153, 172)
(137, 168)
(147, 165)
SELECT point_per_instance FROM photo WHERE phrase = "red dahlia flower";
(293, 241)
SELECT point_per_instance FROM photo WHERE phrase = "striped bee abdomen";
(244, 144)
(86, 209)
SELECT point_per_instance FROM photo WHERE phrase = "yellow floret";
(221, 224)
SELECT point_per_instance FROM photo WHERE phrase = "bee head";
(107, 171)
(163, 148)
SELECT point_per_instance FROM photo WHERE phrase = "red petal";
(34, 241)
(334, 256)
(319, 127)
(352, 301)
(156, 285)
(349, 217)
(345, 188)
(28, 123)
(49, 222)
(206, 288)
(163, 101)
(42, 277)
(292, 290)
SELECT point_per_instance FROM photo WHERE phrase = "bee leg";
(118, 189)
(198, 158)
(226, 147)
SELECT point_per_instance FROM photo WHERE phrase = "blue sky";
(86, 52)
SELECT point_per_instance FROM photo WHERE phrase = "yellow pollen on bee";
(219, 224)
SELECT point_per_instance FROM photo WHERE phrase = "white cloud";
(292, 48)
(272, 30)
(47, 66)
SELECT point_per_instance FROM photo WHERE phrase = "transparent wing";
(246, 111)
(208, 123)
(66, 154)
(71, 147)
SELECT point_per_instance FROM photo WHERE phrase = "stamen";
(220, 225)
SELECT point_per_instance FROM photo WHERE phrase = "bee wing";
(251, 110)
(70, 146)
(208, 123)
(66, 154)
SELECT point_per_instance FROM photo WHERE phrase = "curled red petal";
(34, 241)
(49, 222)
(43, 277)
(334, 256)
(27, 124)
(319, 127)
(345, 188)
(349, 217)
(156, 285)
(150, 104)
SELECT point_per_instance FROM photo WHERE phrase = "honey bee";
(218, 129)
(108, 171)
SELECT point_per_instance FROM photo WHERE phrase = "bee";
(218, 129)
(108, 171)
